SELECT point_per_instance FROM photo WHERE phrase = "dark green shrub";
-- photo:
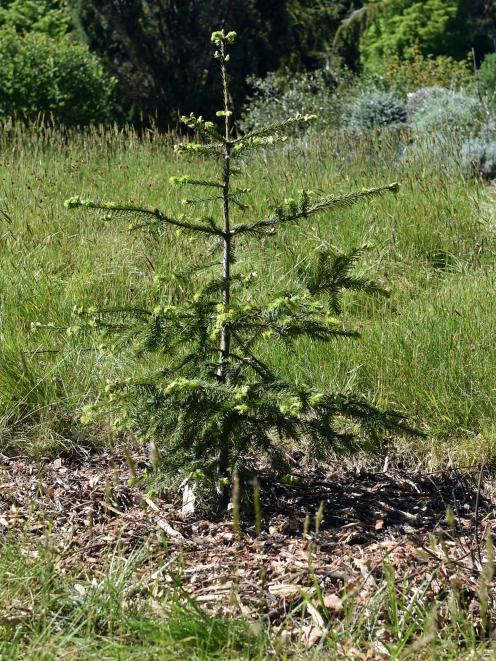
(55, 77)
(376, 108)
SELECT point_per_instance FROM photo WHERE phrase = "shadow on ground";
(377, 504)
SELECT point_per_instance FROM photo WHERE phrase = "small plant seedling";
(212, 402)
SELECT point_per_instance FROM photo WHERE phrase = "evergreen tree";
(380, 29)
(433, 27)
(482, 26)
(212, 402)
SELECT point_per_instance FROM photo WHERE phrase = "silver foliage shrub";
(277, 96)
(447, 112)
(415, 100)
(376, 108)
(478, 155)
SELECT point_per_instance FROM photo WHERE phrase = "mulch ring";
(369, 518)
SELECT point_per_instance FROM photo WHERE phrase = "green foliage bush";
(448, 111)
(56, 77)
(487, 74)
(419, 71)
(49, 17)
(478, 155)
(433, 27)
(376, 108)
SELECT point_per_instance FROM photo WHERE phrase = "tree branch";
(361, 19)
(74, 202)
(275, 127)
(330, 202)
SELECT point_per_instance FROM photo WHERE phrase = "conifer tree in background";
(212, 403)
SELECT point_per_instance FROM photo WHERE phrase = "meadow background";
(403, 90)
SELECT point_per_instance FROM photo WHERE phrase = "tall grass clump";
(49, 614)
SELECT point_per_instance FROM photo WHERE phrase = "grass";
(427, 350)
(48, 614)
(126, 610)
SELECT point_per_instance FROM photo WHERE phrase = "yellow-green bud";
(73, 202)
(178, 181)
(316, 399)
(217, 37)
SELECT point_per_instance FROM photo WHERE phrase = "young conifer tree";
(212, 402)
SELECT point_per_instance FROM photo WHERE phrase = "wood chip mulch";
(88, 509)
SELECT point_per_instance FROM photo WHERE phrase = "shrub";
(487, 74)
(449, 111)
(52, 76)
(404, 27)
(50, 17)
(208, 398)
(419, 71)
(415, 100)
(276, 96)
(478, 155)
(376, 109)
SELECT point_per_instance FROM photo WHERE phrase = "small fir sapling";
(212, 402)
